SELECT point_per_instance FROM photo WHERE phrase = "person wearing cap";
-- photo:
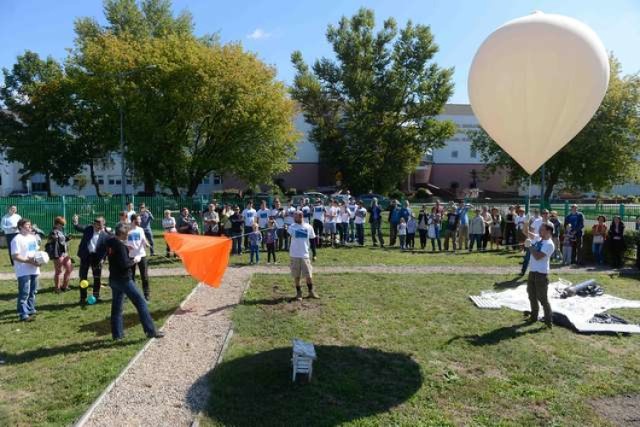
(576, 219)
(463, 228)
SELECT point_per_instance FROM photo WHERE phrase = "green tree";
(34, 128)
(603, 154)
(192, 105)
(373, 109)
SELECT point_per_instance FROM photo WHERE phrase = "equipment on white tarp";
(587, 288)
(583, 313)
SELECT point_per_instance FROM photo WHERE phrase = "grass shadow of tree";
(349, 383)
(103, 327)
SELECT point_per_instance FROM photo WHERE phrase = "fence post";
(64, 208)
(621, 212)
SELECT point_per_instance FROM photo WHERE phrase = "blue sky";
(275, 28)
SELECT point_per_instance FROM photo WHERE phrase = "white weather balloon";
(535, 82)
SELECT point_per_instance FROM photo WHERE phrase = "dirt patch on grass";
(623, 410)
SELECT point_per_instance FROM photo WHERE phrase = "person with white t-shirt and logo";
(263, 219)
(302, 234)
(538, 280)
(288, 222)
(360, 214)
(23, 251)
(318, 221)
(130, 211)
(249, 215)
(332, 221)
(10, 226)
(137, 244)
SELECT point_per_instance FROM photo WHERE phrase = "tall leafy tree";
(373, 108)
(603, 154)
(35, 125)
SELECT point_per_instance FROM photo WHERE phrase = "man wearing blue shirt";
(394, 220)
(463, 228)
(576, 219)
(375, 219)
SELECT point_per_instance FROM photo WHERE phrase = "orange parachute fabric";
(204, 257)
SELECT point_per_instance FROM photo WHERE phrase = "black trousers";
(318, 228)
(271, 252)
(9, 238)
(144, 275)
(93, 262)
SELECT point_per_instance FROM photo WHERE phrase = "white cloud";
(258, 34)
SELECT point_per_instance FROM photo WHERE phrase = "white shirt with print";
(249, 216)
(301, 234)
(26, 246)
(136, 241)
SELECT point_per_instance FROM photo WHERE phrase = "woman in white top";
(10, 226)
(169, 226)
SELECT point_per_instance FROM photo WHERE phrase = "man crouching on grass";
(538, 279)
(301, 235)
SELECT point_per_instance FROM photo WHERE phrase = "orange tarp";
(204, 257)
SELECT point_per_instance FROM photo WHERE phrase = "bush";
(231, 192)
(422, 193)
(249, 192)
(396, 194)
(291, 192)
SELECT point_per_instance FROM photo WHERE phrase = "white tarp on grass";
(578, 310)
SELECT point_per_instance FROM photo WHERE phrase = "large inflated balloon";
(535, 82)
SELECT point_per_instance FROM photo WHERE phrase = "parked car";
(367, 200)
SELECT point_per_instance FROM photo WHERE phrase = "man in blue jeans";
(121, 284)
(23, 251)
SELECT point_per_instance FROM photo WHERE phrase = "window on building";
(206, 180)
(129, 182)
(100, 179)
(473, 153)
(454, 154)
(39, 186)
(217, 179)
(114, 180)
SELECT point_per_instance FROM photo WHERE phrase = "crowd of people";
(456, 227)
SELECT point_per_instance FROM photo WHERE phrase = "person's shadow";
(349, 383)
(498, 335)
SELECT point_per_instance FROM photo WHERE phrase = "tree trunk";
(550, 183)
(193, 186)
(149, 185)
(48, 182)
(94, 179)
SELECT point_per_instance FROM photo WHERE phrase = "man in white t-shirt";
(331, 223)
(10, 226)
(137, 243)
(538, 280)
(249, 215)
(23, 251)
(302, 235)
(360, 214)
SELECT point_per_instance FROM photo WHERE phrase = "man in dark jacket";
(91, 253)
(375, 220)
(121, 284)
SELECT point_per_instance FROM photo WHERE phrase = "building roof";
(458, 110)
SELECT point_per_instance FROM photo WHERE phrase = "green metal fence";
(42, 210)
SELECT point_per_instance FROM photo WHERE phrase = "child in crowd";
(402, 234)
(568, 240)
(270, 239)
(255, 240)
(411, 231)
(169, 226)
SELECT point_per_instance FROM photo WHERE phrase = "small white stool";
(303, 356)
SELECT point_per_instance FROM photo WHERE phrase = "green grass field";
(413, 350)
(55, 367)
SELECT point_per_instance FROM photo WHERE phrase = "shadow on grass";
(498, 335)
(349, 383)
(39, 353)
(103, 327)
(513, 283)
